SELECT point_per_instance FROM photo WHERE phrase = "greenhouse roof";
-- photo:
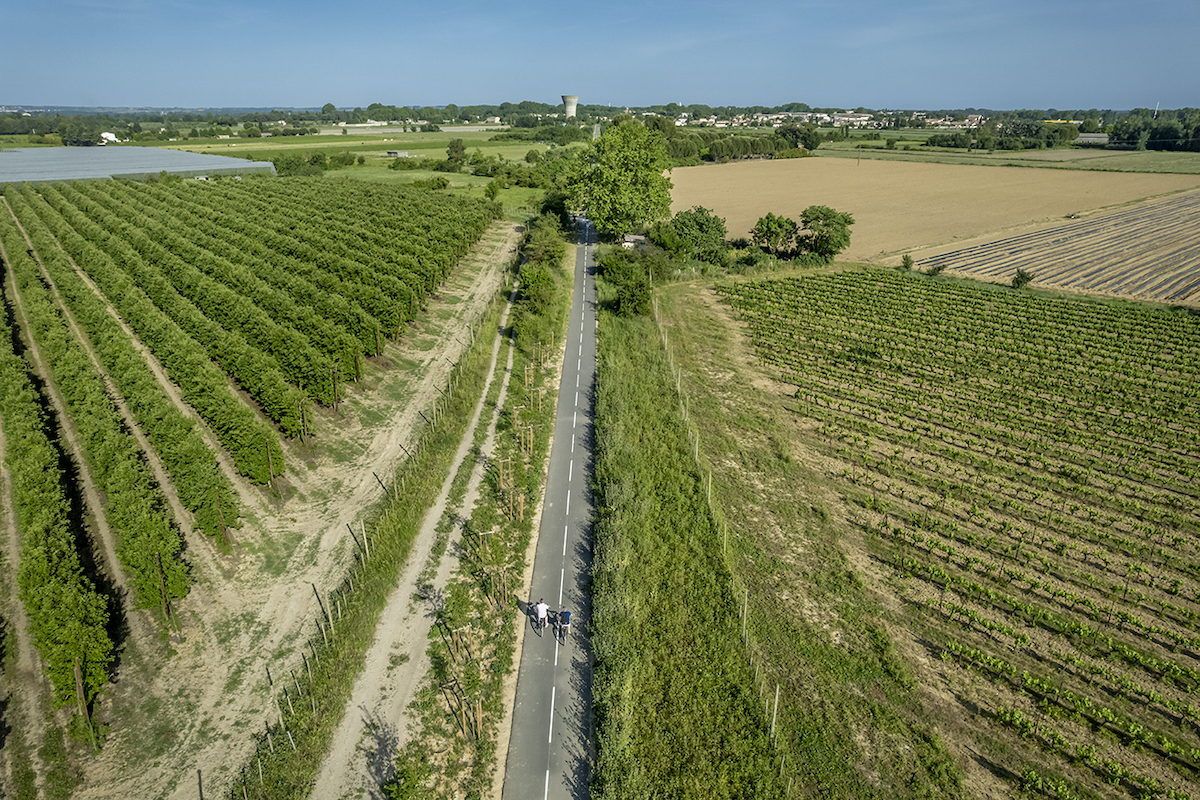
(35, 164)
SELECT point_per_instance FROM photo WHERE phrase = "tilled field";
(1148, 251)
(903, 207)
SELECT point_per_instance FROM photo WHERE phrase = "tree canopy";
(622, 185)
(774, 233)
(826, 232)
(805, 135)
(697, 233)
(822, 233)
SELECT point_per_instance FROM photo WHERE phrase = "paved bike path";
(551, 743)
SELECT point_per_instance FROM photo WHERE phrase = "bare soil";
(901, 207)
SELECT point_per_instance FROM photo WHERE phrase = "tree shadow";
(381, 748)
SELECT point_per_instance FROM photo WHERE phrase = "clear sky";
(915, 54)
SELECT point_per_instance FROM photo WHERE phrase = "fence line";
(331, 603)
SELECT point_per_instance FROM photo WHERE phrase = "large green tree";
(78, 133)
(456, 153)
(806, 135)
(774, 233)
(826, 232)
(622, 183)
(697, 233)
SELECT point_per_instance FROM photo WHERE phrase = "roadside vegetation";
(291, 749)
(451, 750)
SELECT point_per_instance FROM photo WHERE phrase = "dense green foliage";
(805, 136)
(629, 272)
(1008, 134)
(191, 464)
(820, 236)
(774, 233)
(696, 233)
(67, 616)
(202, 383)
(1168, 130)
(677, 714)
(136, 509)
(542, 275)
(824, 232)
(623, 185)
(286, 283)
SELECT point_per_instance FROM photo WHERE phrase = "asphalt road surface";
(551, 744)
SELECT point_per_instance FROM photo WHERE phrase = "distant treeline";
(1009, 134)
(1141, 129)
(529, 121)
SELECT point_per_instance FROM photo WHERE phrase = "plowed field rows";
(924, 209)
(1150, 252)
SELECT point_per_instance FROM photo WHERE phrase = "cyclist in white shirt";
(542, 610)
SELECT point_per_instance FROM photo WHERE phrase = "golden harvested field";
(902, 207)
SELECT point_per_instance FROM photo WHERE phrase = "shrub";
(1021, 279)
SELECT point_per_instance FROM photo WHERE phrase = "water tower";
(571, 101)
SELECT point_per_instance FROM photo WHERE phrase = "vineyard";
(1148, 252)
(171, 346)
(1024, 472)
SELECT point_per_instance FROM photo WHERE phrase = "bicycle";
(562, 622)
(540, 616)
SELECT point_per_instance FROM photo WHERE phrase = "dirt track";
(384, 689)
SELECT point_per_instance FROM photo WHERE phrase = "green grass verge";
(677, 708)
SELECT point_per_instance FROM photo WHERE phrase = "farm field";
(520, 203)
(239, 371)
(1148, 251)
(1012, 480)
(901, 207)
(737, 655)
(374, 147)
(1071, 158)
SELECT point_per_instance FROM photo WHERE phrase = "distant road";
(551, 742)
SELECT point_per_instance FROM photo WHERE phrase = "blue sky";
(874, 53)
